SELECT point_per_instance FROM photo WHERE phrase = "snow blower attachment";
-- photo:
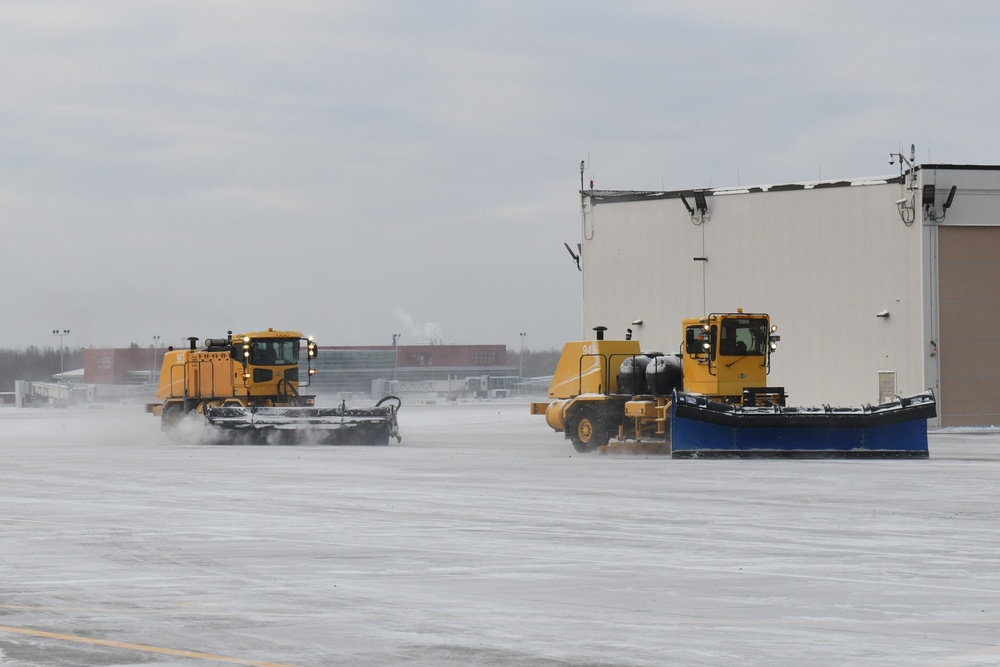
(340, 425)
(248, 385)
(712, 399)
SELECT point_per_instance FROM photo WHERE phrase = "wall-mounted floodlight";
(700, 203)
(950, 199)
(928, 196)
(929, 212)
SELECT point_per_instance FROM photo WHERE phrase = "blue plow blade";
(704, 428)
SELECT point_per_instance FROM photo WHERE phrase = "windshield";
(274, 352)
(743, 336)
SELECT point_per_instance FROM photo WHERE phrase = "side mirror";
(697, 341)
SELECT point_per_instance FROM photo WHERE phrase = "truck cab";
(726, 353)
(253, 369)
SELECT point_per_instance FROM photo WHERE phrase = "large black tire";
(588, 429)
(171, 416)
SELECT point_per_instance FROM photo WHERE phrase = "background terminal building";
(880, 285)
(447, 370)
(426, 370)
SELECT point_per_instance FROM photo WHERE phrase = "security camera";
(882, 313)
(900, 202)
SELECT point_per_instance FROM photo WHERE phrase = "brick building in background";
(338, 369)
(123, 366)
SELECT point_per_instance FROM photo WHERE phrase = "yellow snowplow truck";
(712, 399)
(249, 384)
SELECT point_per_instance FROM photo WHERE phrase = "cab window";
(283, 352)
(743, 336)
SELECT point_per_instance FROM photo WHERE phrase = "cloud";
(170, 168)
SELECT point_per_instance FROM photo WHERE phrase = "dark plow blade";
(334, 426)
(897, 429)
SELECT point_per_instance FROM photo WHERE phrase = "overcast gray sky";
(359, 169)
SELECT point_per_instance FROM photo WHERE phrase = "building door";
(969, 299)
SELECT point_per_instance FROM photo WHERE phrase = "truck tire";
(588, 429)
(171, 416)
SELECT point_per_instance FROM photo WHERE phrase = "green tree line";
(37, 364)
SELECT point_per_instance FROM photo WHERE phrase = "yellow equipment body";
(254, 369)
(583, 374)
(722, 355)
(249, 383)
(711, 399)
(585, 367)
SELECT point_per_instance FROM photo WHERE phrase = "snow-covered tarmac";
(485, 539)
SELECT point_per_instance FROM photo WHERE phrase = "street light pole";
(152, 369)
(395, 349)
(520, 359)
(61, 333)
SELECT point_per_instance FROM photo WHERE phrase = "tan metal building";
(871, 282)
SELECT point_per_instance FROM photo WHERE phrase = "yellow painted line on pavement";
(139, 647)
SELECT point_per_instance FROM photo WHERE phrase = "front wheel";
(171, 416)
(588, 430)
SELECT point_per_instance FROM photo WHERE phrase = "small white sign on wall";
(886, 386)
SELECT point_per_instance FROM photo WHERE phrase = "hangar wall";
(823, 260)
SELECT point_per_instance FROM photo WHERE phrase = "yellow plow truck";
(249, 385)
(712, 399)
